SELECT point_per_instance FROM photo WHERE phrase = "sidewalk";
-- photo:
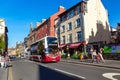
(108, 63)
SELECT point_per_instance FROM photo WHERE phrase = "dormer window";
(85, 7)
(77, 10)
(63, 18)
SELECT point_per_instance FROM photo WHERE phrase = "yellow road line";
(10, 74)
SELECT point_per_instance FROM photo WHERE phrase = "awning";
(62, 45)
(75, 45)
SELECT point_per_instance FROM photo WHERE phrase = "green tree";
(17, 53)
(2, 43)
(40, 47)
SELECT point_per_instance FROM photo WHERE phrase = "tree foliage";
(40, 47)
(2, 43)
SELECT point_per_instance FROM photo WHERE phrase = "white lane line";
(70, 73)
(64, 72)
(111, 75)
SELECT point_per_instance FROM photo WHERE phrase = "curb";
(91, 64)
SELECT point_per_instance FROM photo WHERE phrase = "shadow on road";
(49, 74)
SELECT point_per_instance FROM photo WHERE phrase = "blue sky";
(18, 14)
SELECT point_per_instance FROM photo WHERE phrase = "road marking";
(110, 75)
(64, 72)
(10, 76)
(70, 73)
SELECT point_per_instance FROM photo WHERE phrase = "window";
(70, 14)
(58, 31)
(78, 22)
(42, 28)
(63, 39)
(70, 38)
(79, 36)
(63, 18)
(85, 7)
(70, 26)
(63, 28)
(52, 41)
(77, 9)
(46, 26)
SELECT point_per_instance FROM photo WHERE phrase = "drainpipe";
(83, 31)
(83, 27)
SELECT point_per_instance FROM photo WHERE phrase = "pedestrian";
(2, 61)
(94, 56)
(101, 55)
(98, 57)
(7, 61)
(91, 51)
(68, 55)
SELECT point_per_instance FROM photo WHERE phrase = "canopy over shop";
(72, 48)
(62, 46)
(75, 45)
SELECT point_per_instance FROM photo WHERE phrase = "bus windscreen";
(52, 41)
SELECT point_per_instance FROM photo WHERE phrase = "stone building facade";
(84, 26)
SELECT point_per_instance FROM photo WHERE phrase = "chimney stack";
(43, 20)
(61, 8)
(38, 24)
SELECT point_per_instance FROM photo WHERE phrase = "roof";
(71, 8)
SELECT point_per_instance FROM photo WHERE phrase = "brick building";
(43, 28)
(46, 28)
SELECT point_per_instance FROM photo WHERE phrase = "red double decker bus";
(45, 50)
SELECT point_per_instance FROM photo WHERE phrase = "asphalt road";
(3, 74)
(29, 70)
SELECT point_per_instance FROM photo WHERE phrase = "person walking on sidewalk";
(101, 55)
(94, 54)
(7, 61)
(0, 59)
(2, 62)
(91, 52)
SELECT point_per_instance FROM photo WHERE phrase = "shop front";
(63, 48)
(76, 47)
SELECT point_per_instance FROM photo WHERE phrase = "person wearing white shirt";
(94, 55)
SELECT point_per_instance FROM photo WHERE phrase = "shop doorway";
(96, 48)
